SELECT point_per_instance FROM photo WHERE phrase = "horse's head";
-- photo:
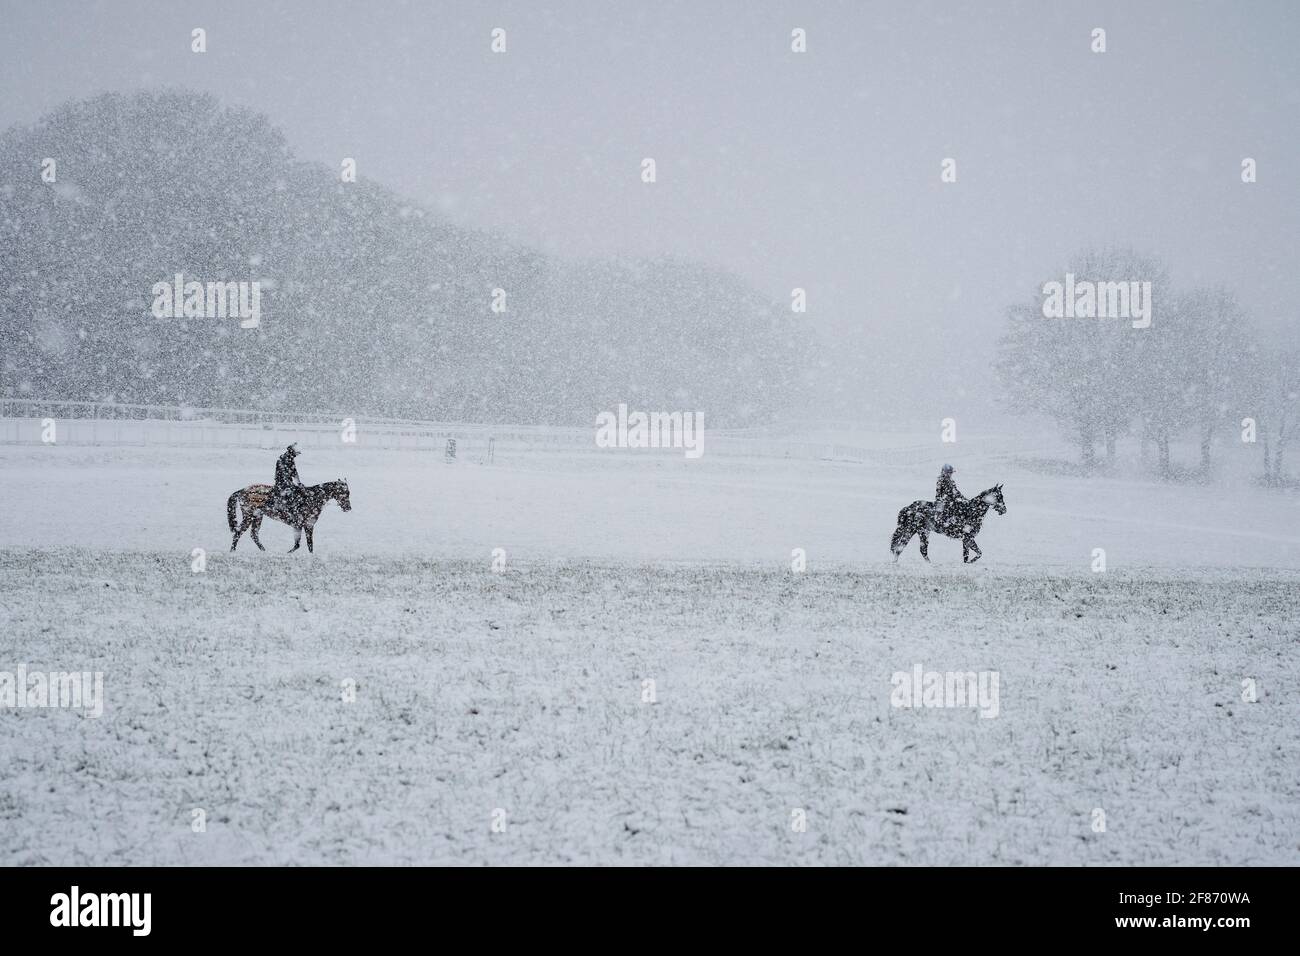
(994, 498)
(339, 492)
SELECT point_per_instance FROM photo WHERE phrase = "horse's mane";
(325, 484)
(332, 487)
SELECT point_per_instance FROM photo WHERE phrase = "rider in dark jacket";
(287, 482)
(945, 493)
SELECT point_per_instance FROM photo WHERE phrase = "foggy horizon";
(818, 170)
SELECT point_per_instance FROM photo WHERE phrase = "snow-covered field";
(519, 698)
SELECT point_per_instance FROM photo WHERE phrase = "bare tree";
(1274, 403)
(1084, 372)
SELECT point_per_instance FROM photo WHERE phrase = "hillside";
(367, 300)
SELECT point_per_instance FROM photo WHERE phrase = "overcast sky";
(819, 170)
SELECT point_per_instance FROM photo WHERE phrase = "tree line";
(1201, 370)
(370, 303)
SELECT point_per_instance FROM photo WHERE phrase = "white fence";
(24, 422)
(27, 422)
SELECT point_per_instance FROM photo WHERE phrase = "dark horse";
(961, 519)
(258, 503)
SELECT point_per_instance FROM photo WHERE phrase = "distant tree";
(1083, 372)
(1214, 346)
(1273, 401)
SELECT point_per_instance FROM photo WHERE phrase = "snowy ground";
(523, 691)
(637, 506)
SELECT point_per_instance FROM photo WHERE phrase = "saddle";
(285, 502)
(943, 520)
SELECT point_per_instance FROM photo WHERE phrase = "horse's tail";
(911, 519)
(901, 536)
(231, 502)
(903, 532)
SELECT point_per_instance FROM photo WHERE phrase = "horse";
(258, 502)
(961, 519)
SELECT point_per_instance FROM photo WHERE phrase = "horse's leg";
(297, 538)
(257, 526)
(974, 547)
(925, 543)
(308, 529)
(235, 543)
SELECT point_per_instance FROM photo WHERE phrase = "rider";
(287, 482)
(945, 493)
